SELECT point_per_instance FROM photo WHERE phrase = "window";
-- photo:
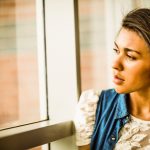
(22, 73)
(93, 54)
(58, 46)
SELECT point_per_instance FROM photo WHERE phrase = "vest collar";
(121, 110)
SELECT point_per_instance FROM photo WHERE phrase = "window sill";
(33, 135)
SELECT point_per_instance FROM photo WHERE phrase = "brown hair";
(138, 20)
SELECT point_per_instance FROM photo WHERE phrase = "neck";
(139, 104)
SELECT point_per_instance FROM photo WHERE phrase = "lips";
(118, 80)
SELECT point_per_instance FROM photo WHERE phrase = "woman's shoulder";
(92, 92)
(93, 96)
(89, 96)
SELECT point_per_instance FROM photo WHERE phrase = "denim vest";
(111, 116)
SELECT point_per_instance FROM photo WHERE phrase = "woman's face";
(131, 64)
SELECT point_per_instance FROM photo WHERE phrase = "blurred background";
(24, 65)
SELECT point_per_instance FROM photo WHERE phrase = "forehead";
(130, 39)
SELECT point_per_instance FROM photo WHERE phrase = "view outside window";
(22, 74)
(93, 54)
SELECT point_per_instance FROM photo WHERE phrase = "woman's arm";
(85, 147)
(85, 118)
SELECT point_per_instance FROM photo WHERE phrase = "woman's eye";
(116, 51)
(131, 57)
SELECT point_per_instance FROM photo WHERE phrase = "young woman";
(119, 118)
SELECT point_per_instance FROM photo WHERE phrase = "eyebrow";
(128, 49)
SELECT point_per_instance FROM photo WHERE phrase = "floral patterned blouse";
(135, 135)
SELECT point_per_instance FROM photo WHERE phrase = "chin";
(120, 90)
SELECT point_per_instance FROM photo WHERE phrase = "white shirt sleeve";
(85, 116)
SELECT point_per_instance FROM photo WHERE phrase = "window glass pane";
(92, 39)
(22, 79)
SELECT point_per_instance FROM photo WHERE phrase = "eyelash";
(129, 57)
(116, 51)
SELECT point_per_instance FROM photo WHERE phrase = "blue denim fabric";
(111, 116)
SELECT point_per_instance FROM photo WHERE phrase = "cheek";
(145, 73)
(141, 74)
(147, 76)
(138, 73)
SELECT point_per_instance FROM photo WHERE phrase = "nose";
(117, 63)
